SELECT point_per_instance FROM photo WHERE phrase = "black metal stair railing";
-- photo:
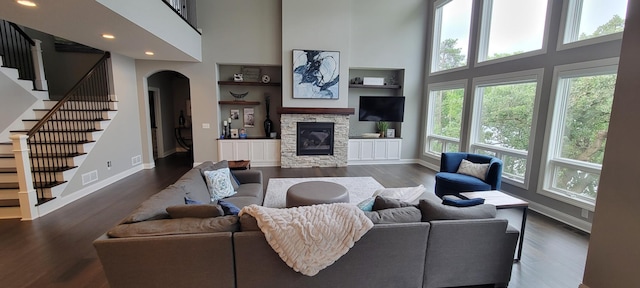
(15, 49)
(186, 9)
(55, 139)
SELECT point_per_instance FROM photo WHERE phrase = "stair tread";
(11, 185)
(53, 169)
(7, 156)
(83, 110)
(9, 203)
(44, 200)
(52, 155)
(62, 142)
(6, 143)
(68, 120)
(38, 185)
(89, 100)
(8, 170)
(85, 130)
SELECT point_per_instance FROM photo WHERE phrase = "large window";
(578, 134)
(511, 27)
(587, 19)
(503, 120)
(445, 117)
(451, 34)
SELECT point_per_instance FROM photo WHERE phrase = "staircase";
(58, 136)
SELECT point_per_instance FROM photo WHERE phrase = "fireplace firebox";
(314, 138)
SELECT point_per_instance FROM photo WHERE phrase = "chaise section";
(389, 255)
(190, 260)
(469, 252)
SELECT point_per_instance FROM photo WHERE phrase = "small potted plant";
(382, 128)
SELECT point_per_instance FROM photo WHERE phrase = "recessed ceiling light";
(149, 53)
(26, 3)
(108, 36)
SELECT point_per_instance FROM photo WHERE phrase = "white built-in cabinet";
(261, 152)
(363, 150)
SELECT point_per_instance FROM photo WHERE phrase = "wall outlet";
(585, 213)
(108, 165)
(89, 177)
(206, 126)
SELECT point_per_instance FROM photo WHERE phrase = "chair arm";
(248, 176)
(450, 162)
(494, 174)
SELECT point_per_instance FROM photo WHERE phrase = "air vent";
(136, 160)
(90, 177)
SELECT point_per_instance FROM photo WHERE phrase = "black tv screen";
(381, 108)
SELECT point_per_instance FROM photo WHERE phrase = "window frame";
(482, 43)
(570, 13)
(525, 76)
(437, 26)
(555, 127)
(449, 85)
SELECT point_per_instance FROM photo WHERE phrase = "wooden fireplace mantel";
(305, 110)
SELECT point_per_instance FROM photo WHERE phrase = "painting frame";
(316, 74)
(249, 118)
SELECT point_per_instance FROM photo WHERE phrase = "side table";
(239, 164)
(503, 201)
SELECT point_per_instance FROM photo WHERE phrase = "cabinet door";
(367, 150)
(226, 150)
(243, 150)
(393, 149)
(354, 150)
(380, 152)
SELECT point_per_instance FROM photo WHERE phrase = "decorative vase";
(268, 124)
(181, 120)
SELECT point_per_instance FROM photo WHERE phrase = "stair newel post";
(27, 194)
(38, 68)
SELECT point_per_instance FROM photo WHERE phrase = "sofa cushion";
(210, 166)
(195, 211)
(219, 183)
(194, 184)
(407, 214)
(249, 189)
(434, 210)
(381, 203)
(241, 201)
(248, 223)
(156, 206)
(175, 226)
(228, 207)
(477, 170)
(367, 204)
(457, 202)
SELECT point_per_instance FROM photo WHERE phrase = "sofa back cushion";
(195, 186)
(435, 210)
(195, 211)
(409, 214)
(156, 206)
(175, 226)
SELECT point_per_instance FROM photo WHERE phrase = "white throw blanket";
(310, 238)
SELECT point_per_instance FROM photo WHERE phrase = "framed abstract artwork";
(316, 74)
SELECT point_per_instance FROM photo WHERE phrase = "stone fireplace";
(290, 118)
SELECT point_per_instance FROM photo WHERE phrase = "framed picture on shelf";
(235, 114)
(251, 74)
(316, 74)
(249, 118)
(234, 133)
(391, 133)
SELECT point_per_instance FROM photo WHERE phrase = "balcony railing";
(186, 9)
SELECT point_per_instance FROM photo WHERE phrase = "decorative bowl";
(239, 96)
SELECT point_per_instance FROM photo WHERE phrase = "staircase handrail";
(19, 30)
(67, 96)
(16, 49)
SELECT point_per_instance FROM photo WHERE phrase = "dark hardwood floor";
(56, 250)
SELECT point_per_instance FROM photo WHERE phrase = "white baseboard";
(167, 153)
(381, 162)
(433, 167)
(60, 202)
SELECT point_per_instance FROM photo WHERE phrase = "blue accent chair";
(448, 182)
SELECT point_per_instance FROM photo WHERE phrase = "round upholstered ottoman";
(316, 192)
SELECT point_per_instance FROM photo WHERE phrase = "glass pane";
(453, 147)
(516, 26)
(446, 112)
(595, 18)
(587, 116)
(485, 152)
(435, 146)
(506, 116)
(452, 45)
(514, 167)
(576, 182)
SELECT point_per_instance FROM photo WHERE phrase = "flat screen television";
(381, 108)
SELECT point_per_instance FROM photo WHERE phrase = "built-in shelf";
(374, 86)
(239, 102)
(274, 84)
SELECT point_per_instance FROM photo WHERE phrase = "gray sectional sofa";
(150, 249)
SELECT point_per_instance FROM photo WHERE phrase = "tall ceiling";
(84, 21)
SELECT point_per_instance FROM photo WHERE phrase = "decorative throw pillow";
(367, 204)
(432, 210)
(234, 181)
(404, 194)
(408, 214)
(210, 166)
(229, 208)
(195, 211)
(473, 169)
(190, 201)
(219, 183)
(457, 202)
(381, 203)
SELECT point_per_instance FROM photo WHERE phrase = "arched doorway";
(169, 101)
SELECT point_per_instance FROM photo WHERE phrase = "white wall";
(612, 260)
(391, 35)
(120, 141)
(314, 25)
